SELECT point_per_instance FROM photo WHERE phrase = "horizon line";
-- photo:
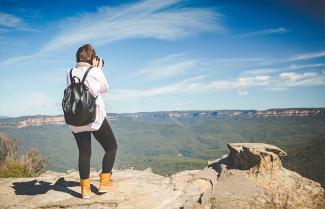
(199, 110)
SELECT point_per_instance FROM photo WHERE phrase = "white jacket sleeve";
(103, 82)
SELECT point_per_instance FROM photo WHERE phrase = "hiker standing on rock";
(89, 69)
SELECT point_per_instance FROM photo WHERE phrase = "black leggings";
(104, 135)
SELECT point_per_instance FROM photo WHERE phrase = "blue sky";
(165, 55)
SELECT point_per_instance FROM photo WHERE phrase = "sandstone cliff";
(251, 176)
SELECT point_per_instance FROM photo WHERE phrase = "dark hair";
(86, 53)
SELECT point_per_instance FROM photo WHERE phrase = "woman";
(100, 128)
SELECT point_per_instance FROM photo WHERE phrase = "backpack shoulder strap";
(86, 73)
(71, 79)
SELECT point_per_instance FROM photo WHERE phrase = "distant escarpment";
(168, 116)
(250, 176)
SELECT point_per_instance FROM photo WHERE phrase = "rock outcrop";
(251, 176)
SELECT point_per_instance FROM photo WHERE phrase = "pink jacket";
(97, 85)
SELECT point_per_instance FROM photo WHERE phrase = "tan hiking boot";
(85, 188)
(105, 182)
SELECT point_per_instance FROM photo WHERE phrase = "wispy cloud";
(166, 67)
(10, 22)
(266, 32)
(298, 57)
(242, 92)
(297, 67)
(260, 71)
(177, 64)
(180, 105)
(292, 67)
(192, 85)
(166, 20)
(122, 94)
(282, 81)
(41, 103)
(307, 56)
(14, 60)
(238, 59)
(291, 79)
(289, 59)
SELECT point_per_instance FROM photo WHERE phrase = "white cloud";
(242, 92)
(297, 67)
(14, 60)
(299, 57)
(166, 20)
(281, 81)
(122, 94)
(10, 22)
(4, 30)
(307, 56)
(166, 67)
(268, 71)
(238, 59)
(266, 32)
(180, 105)
(290, 76)
(291, 79)
(260, 71)
(41, 103)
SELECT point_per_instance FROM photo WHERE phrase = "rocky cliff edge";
(250, 176)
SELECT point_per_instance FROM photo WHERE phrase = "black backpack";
(78, 103)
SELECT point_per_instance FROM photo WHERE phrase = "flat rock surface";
(135, 189)
(250, 177)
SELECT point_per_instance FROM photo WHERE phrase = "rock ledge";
(250, 176)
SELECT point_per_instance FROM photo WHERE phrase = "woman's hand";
(97, 63)
(100, 63)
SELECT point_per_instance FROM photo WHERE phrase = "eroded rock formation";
(252, 176)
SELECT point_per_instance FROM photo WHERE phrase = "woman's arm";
(98, 65)
(100, 77)
(104, 84)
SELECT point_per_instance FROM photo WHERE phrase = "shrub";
(34, 161)
(31, 164)
(8, 148)
(14, 169)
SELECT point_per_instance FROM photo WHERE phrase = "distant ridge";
(193, 110)
(168, 116)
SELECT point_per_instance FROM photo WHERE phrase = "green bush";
(8, 148)
(31, 164)
(34, 161)
(14, 169)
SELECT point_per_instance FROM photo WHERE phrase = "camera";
(98, 59)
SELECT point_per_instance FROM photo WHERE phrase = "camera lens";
(98, 59)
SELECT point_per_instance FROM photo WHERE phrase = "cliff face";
(251, 176)
(38, 121)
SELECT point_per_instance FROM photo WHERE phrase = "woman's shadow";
(35, 187)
